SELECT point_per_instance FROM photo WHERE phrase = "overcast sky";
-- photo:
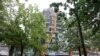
(42, 4)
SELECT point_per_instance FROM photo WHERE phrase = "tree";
(1, 19)
(39, 32)
(34, 26)
(88, 13)
(85, 11)
(14, 35)
(12, 30)
(27, 25)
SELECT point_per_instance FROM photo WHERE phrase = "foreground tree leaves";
(22, 28)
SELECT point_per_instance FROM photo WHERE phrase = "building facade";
(51, 18)
(53, 27)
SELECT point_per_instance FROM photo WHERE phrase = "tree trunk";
(79, 49)
(22, 49)
(97, 51)
(80, 29)
(70, 52)
(42, 53)
(11, 50)
(34, 53)
(37, 53)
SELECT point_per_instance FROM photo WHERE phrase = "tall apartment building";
(51, 18)
(53, 27)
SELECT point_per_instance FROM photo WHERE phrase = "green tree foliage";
(13, 33)
(1, 18)
(37, 30)
(22, 28)
(85, 12)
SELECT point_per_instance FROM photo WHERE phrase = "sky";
(42, 4)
